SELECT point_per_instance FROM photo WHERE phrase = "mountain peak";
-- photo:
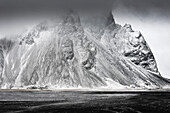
(87, 50)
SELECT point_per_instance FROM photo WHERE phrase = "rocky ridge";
(76, 52)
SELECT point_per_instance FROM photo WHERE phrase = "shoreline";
(90, 90)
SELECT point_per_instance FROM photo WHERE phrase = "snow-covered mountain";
(78, 50)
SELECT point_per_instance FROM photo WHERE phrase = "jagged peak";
(72, 17)
(70, 56)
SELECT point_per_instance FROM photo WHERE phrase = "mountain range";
(78, 50)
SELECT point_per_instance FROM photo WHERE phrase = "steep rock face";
(73, 54)
(133, 46)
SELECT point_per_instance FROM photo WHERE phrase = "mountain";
(78, 50)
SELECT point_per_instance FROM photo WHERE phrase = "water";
(84, 102)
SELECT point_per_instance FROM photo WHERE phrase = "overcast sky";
(151, 17)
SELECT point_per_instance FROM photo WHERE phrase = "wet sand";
(45, 101)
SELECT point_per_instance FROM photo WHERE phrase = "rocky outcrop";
(133, 46)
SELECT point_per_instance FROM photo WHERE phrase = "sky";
(150, 17)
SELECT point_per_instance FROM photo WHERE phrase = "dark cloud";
(24, 5)
(147, 4)
(144, 7)
(13, 7)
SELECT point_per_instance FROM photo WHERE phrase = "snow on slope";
(77, 51)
